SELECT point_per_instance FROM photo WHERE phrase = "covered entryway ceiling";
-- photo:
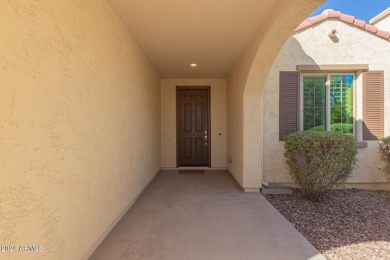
(210, 33)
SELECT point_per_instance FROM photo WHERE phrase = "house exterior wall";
(79, 113)
(218, 120)
(313, 46)
(245, 85)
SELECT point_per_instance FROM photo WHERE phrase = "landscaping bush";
(320, 161)
(384, 155)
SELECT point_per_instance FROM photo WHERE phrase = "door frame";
(208, 88)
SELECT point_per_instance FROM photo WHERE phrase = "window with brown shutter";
(288, 103)
(373, 104)
(373, 108)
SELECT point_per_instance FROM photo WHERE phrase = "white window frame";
(327, 98)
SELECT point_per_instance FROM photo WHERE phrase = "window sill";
(361, 144)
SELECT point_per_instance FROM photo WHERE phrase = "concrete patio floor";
(203, 217)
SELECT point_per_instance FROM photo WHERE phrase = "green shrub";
(345, 128)
(319, 161)
(384, 155)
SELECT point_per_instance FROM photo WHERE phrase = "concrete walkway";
(200, 217)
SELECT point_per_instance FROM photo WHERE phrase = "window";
(314, 103)
(328, 103)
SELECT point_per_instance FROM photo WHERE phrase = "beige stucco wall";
(313, 46)
(79, 113)
(218, 120)
(245, 84)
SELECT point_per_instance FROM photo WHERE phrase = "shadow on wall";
(299, 56)
(368, 134)
(278, 117)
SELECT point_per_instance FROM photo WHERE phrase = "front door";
(193, 135)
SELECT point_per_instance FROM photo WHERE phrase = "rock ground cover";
(347, 224)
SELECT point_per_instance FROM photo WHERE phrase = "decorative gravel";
(347, 224)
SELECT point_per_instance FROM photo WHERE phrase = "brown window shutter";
(373, 111)
(288, 103)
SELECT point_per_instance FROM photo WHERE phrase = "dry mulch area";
(347, 224)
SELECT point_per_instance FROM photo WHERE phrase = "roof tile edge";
(349, 19)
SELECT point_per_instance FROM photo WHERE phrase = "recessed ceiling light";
(193, 65)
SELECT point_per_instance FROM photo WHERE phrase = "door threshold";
(193, 168)
(185, 172)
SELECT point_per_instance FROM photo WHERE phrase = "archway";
(245, 85)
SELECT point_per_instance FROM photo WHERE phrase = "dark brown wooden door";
(193, 127)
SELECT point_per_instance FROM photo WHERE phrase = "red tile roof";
(331, 14)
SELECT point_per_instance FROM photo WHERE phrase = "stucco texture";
(313, 46)
(79, 113)
(245, 85)
(218, 120)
